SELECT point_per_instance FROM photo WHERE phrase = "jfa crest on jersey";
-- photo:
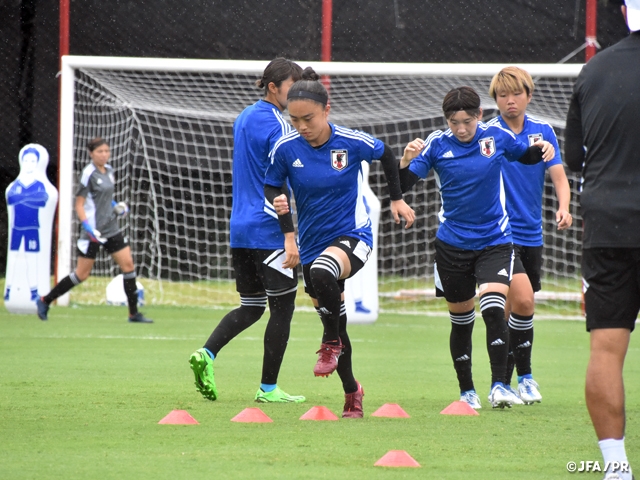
(535, 137)
(339, 159)
(487, 146)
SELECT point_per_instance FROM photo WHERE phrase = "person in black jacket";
(603, 117)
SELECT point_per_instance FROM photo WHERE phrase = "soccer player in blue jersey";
(98, 213)
(512, 89)
(322, 162)
(264, 260)
(473, 243)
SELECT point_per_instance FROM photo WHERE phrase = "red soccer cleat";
(328, 359)
(353, 404)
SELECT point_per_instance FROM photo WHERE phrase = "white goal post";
(169, 122)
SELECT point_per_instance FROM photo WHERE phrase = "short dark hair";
(461, 98)
(309, 88)
(278, 70)
(95, 143)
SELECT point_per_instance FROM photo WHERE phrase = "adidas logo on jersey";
(449, 154)
(297, 163)
(463, 358)
(503, 272)
(497, 342)
(346, 242)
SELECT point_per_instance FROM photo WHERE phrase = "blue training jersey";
(27, 200)
(469, 176)
(327, 185)
(255, 132)
(524, 184)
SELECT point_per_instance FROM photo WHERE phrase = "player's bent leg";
(604, 388)
(324, 274)
(236, 321)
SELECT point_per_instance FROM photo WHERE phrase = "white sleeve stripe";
(86, 174)
(365, 139)
(285, 138)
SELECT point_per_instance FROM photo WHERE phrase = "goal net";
(169, 124)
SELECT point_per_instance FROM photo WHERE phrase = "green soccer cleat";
(277, 396)
(202, 367)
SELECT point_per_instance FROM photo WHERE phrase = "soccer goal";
(169, 124)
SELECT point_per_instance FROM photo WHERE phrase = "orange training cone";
(396, 458)
(179, 417)
(459, 408)
(252, 415)
(319, 413)
(392, 410)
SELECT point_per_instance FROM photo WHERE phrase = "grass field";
(81, 396)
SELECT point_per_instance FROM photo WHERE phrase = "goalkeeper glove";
(121, 209)
(94, 234)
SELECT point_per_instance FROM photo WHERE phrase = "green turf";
(81, 396)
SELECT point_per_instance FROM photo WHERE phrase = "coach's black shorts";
(88, 249)
(528, 260)
(260, 271)
(458, 271)
(358, 253)
(611, 286)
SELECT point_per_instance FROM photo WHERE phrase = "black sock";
(521, 336)
(131, 290)
(236, 321)
(460, 343)
(324, 274)
(345, 367)
(492, 307)
(63, 286)
(276, 335)
(510, 362)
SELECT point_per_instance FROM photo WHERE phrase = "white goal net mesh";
(171, 140)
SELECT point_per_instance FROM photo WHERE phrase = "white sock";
(613, 451)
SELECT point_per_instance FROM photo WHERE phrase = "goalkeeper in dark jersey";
(264, 260)
(98, 213)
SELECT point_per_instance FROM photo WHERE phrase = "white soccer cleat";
(529, 391)
(514, 394)
(500, 397)
(471, 398)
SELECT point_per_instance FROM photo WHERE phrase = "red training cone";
(252, 415)
(392, 410)
(179, 417)
(459, 408)
(319, 413)
(396, 458)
